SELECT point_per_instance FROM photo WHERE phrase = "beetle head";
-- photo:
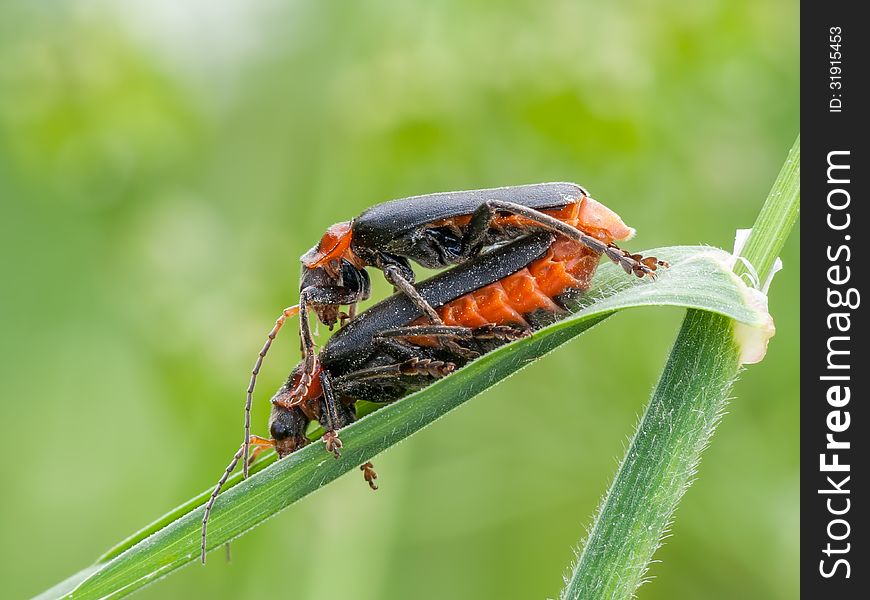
(287, 427)
(329, 289)
(597, 220)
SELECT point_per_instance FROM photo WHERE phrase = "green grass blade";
(777, 217)
(699, 278)
(662, 458)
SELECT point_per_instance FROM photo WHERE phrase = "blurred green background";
(163, 165)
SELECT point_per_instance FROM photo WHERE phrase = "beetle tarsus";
(333, 443)
(369, 474)
(426, 366)
(634, 263)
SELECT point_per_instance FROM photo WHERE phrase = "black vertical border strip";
(824, 132)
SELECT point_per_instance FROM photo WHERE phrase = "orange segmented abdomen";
(495, 306)
(462, 311)
(525, 293)
(566, 266)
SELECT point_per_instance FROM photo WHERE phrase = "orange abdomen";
(567, 265)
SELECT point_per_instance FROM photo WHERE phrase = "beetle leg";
(344, 317)
(398, 349)
(630, 263)
(402, 350)
(504, 332)
(500, 332)
(415, 366)
(451, 331)
(449, 336)
(398, 273)
(333, 421)
(478, 227)
(333, 443)
(370, 475)
(260, 445)
(305, 331)
(318, 298)
(445, 336)
(459, 350)
(395, 277)
(634, 263)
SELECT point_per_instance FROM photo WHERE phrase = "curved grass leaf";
(699, 278)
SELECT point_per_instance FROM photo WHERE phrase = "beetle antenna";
(236, 457)
(244, 450)
(261, 444)
(290, 311)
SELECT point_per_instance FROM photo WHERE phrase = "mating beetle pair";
(436, 231)
(426, 331)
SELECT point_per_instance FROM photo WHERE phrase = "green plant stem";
(661, 460)
(678, 423)
(777, 217)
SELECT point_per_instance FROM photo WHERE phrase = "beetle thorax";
(334, 246)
